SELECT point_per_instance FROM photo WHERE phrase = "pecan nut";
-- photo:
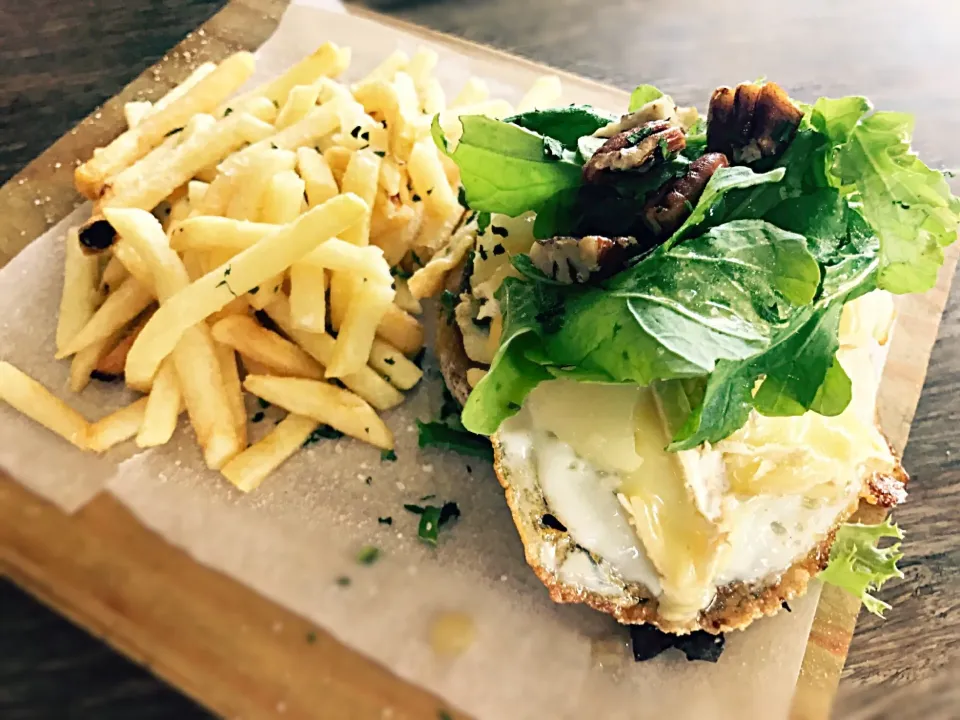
(751, 122)
(667, 210)
(578, 260)
(635, 150)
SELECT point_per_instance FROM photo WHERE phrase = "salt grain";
(401, 486)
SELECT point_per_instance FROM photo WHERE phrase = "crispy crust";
(735, 606)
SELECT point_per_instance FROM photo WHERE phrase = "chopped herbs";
(254, 290)
(482, 251)
(355, 132)
(343, 581)
(442, 435)
(257, 417)
(379, 153)
(431, 496)
(388, 456)
(433, 518)
(365, 135)
(275, 104)
(263, 403)
(498, 249)
(389, 361)
(499, 231)
(483, 222)
(227, 112)
(416, 259)
(174, 131)
(399, 272)
(274, 146)
(430, 191)
(311, 637)
(368, 555)
(416, 198)
(385, 520)
(324, 431)
(444, 715)
(368, 480)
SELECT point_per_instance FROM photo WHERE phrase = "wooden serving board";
(232, 650)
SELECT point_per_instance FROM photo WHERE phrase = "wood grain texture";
(815, 48)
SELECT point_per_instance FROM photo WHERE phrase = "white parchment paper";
(292, 538)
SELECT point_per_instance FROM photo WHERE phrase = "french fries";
(248, 469)
(325, 403)
(272, 255)
(162, 409)
(327, 206)
(252, 340)
(80, 290)
(116, 427)
(32, 399)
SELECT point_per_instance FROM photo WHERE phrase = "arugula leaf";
(505, 168)
(643, 94)
(858, 566)
(908, 204)
(433, 519)
(835, 393)
(722, 182)
(675, 314)
(567, 125)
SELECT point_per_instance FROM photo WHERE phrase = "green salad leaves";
(739, 309)
(858, 566)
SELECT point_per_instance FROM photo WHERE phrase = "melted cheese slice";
(618, 429)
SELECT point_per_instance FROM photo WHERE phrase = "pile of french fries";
(276, 243)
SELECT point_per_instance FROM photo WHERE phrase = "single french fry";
(282, 197)
(144, 185)
(133, 264)
(386, 70)
(337, 159)
(317, 123)
(320, 346)
(84, 363)
(112, 363)
(342, 287)
(132, 145)
(308, 296)
(227, 358)
(393, 365)
(432, 97)
(436, 230)
(134, 112)
(316, 174)
(269, 257)
(196, 191)
(179, 211)
(328, 60)
(473, 92)
(421, 65)
(545, 92)
(299, 102)
(253, 177)
(120, 307)
(194, 353)
(430, 181)
(163, 408)
(325, 403)
(401, 330)
(250, 339)
(392, 176)
(201, 234)
(113, 274)
(116, 427)
(361, 179)
(80, 296)
(367, 307)
(248, 469)
(395, 232)
(429, 280)
(29, 397)
(252, 367)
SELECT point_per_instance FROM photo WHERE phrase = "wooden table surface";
(60, 60)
